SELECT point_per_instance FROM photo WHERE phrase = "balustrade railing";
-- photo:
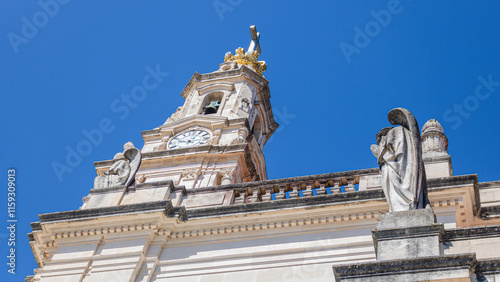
(305, 188)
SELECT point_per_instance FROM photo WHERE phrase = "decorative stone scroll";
(123, 170)
(243, 133)
(399, 154)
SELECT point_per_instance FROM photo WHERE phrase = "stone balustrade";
(299, 187)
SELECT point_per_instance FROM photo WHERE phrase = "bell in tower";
(211, 108)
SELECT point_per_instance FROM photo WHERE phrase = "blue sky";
(335, 68)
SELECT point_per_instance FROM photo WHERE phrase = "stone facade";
(209, 213)
(238, 232)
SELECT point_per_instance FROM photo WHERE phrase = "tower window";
(211, 103)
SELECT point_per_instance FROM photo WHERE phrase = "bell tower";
(218, 135)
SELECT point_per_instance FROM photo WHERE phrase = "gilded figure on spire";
(250, 57)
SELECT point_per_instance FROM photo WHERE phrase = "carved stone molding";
(228, 175)
(163, 145)
(243, 133)
(325, 220)
(227, 66)
(190, 173)
(214, 140)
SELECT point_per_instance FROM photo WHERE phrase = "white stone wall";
(276, 256)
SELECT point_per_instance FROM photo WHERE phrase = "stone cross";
(254, 44)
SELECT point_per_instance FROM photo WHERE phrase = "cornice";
(471, 233)
(165, 206)
(243, 70)
(180, 152)
(400, 266)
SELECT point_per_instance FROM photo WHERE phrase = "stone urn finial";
(433, 137)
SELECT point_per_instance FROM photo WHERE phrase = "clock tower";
(218, 135)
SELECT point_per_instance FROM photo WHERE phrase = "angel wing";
(375, 150)
(403, 117)
(133, 155)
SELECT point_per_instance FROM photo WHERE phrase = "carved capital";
(190, 173)
(228, 175)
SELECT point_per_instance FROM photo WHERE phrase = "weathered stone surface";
(489, 193)
(409, 242)
(404, 219)
(92, 213)
(36, 226)
(419, 269)
(490, 212)
(489, 266)
(437, 166)
(407, 234)
(471, 232)
(136, 196)
(208, 199)
(109, 199)
(484, 241)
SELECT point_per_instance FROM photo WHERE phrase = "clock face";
(189, 139)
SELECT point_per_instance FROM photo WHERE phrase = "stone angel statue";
(399, 155)
(123, 170)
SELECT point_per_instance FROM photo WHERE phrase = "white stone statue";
(399, 154)
(123, 170)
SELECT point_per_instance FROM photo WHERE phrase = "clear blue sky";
(62, 68)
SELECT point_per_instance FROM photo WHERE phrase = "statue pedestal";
(407, 234)
(407, 245)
